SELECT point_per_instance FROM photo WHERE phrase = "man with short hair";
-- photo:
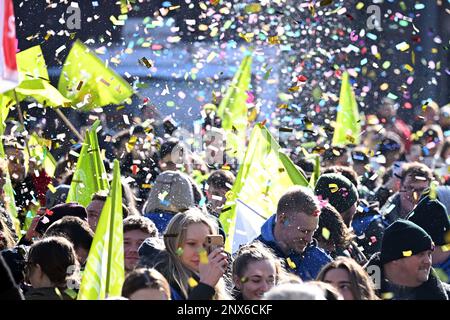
(402, 270)
(416, 177)
(135, 230)
(95, 207)
(217, 185)
(289, 233)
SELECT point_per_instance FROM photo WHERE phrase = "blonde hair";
(174, 237)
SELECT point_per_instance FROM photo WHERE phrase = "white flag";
(248, 225)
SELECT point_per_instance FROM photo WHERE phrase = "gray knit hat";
(172, 191)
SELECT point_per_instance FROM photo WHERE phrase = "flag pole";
(19, 110)
(68, 123)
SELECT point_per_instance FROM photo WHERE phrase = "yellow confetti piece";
(203, 256)
(433, 186)
(244, 279)
(325, 233)
(333, 187)
(131, 143)
(179, 252)
(294, 89)
(51, 188)
(192, 282)
(387, 295)
(384, 86)
(447, 237)
(291, 263)
(359, 5)
(402, 46)
(274, 40)
(146, 186)
(162, 195)
(253, 8)
(247, 37)
(445, 247)
(407, 253)
(409, 68)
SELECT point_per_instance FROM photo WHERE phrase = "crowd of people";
(375, 225)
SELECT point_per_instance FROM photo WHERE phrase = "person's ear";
(282, 217)
(237, 282)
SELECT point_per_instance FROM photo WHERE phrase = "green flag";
(90, 174)
(263, 177)
(233, 110)
(34, 80)
(88, 82)
(316, 173)
(39, 151)
(348, 126)
(8, 191)
(31, 64)
(104, 273)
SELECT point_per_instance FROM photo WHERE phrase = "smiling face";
(340, 279)
(257, 279)
(194, 241)
(415, 269)
(297, 230)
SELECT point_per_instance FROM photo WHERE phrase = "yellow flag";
(348, 126)
(263, 177)
(88, 82)
(104, 274)
(233, 110)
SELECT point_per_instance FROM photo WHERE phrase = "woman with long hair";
(193, 270)
(349, 278)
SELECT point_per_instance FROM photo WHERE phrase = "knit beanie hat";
(172, 191)
(340, 192)
(431, 215)
(403, 239)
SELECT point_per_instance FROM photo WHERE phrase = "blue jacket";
(307, 265)
(444, 267)
(161, 219)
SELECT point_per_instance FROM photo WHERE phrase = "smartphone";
(213, 242)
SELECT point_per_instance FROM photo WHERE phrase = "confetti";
(325, 233)
(407, 253)
(203, 256)
(333, 187)
(291, 264)
(192, 282)
(179, 251)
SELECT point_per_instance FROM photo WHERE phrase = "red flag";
(8, 68)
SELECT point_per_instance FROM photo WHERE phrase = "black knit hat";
(340, 192)
(432, 216)
(403, 239)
